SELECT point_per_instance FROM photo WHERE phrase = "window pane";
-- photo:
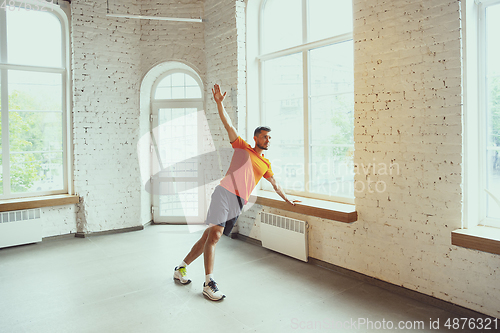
(35, 131)
(182, 199)
(34, 38)
(192, 88)
(35, 91)
(493, 110)
(164, 88)
(177, 140)
(178, 85)
(332, 120)
(283, 112)
(36, 151)
(282, 26)
(328, 18)
(36, 171)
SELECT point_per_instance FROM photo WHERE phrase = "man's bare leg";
(197, 248)
(206, 243)
(214, 234)
(180, 273)
(210, 289)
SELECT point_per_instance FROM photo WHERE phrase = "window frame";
(304, 49)
(65, 72)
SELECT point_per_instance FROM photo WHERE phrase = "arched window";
(177, 104)
(307, 95)
(34, 77)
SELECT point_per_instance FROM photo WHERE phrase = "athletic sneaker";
(212, 292)
(181, 275)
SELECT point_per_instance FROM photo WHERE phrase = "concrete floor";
(123, 283)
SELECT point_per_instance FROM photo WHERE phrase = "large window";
(33, 99)
(307, 95)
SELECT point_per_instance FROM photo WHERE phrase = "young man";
(248, 166)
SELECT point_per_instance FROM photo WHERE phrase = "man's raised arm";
(228, 124)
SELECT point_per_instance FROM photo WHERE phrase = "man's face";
(262, 140)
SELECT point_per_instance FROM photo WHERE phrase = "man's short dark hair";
(260, 129)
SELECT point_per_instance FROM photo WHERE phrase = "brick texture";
(173, 41)
(106, 80)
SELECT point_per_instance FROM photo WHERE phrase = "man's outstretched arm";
(226, 120)
(279, 190)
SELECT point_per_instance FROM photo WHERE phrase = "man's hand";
(218, 97)
(293, 202)
(224, 117)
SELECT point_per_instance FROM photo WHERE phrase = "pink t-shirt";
(246, 169)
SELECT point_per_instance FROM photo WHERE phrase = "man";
(248, 166)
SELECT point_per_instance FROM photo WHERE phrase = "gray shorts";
(224, 209)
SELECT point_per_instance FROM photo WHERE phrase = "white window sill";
(482, 238)
(314, 207)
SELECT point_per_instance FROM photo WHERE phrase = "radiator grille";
(20, 227)
(284, 235)
(284, 222)
(20, 215)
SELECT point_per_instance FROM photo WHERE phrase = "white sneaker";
(212, 292)
(181, 275)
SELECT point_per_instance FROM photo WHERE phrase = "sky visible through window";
(34, 38)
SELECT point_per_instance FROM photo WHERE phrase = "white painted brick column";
(106, 78)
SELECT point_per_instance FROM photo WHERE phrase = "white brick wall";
(174, 41)
(58, 220)
(106, 79)
(110, 58)
(407, 111)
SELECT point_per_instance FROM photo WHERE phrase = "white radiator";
(284, 235)
(20, 227)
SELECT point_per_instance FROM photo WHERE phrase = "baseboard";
(63, 236)
(400, 290)
(247, 239)
(176, 223)
(109, 232)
